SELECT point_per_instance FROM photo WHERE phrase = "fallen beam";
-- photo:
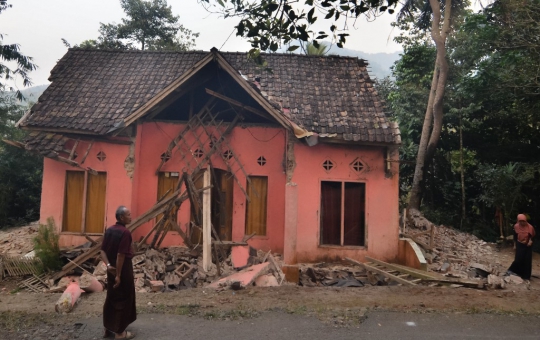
(402, 269)
(382, 272)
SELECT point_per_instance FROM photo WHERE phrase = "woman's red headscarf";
(524, 231)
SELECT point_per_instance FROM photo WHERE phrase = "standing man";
(116, 252)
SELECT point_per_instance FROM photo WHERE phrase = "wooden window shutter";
(331, 213)
(354, 214)
(95, 203)
(73, 201)
(167, 182)
(256, 210)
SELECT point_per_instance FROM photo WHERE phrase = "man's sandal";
(126, 335)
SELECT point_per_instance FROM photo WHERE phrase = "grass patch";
(189, 310)
(15, 321)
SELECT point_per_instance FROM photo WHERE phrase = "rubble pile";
(18, 241)
(167, 269)
(325, 274)
(171, 269)
(460, 254)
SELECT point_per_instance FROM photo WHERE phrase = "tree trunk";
(462, 173)
(431, 131)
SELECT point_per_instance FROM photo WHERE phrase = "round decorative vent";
(261, 161)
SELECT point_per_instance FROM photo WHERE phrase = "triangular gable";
(214, 55)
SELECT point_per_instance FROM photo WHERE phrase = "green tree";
(502, 187)
(20, 171)
(11, 54)
(269, 24)
(316, 49)
(150, 25)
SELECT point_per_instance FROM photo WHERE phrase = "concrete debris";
(18, 241)
(495, 282)
(326, 274)
(243, 278)
(513, 279)
(267, 280)
(461, 255)
(70, 297)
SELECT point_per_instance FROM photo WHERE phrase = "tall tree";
(149, 25)
(11, 54)
(437, 17)
(269, 24)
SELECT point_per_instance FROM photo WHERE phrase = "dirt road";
(347, 307)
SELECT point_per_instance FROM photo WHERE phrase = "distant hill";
(31, 94)
(379, 63)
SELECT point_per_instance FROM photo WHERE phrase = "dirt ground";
(341, 306)
(33, 314)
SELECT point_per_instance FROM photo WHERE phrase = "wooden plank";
(425, 246)
(402, 269)
(91, 240)
(382, 272)
(207, 222)
(72, 153)
(14, 143)
(466, 283)
(247, 237)
(229, 243)
(238, 104)
(87, 152)
(278, 268)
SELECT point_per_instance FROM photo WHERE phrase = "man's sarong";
(119, 309)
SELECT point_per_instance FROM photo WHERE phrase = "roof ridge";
(203, 51)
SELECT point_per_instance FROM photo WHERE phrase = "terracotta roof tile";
(93, 90)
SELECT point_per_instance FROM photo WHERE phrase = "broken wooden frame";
(58, 158)
(410, 276)
(167, 207)
(206, 130)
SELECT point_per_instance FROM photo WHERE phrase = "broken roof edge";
(213, 55)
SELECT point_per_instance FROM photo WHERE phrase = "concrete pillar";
(291, 223)
(207, 222)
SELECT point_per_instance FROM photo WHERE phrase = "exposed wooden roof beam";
(237, 103)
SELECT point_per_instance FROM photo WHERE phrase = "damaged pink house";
(300, 154)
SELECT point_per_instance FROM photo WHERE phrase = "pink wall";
(54, 177)
(249, 143)
(296, 205)
(382, 216)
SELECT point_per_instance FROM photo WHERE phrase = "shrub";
(46, 246)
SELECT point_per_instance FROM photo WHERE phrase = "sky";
(39, 25)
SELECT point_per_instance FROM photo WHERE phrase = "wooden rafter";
(238, 104)
(72, 153)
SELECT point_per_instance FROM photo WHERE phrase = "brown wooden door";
(167, 182)
(73, 201)
(95, 203)
(222, 204)
(256, 209)
(196, 232)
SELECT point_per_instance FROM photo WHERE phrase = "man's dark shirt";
(117, 239)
